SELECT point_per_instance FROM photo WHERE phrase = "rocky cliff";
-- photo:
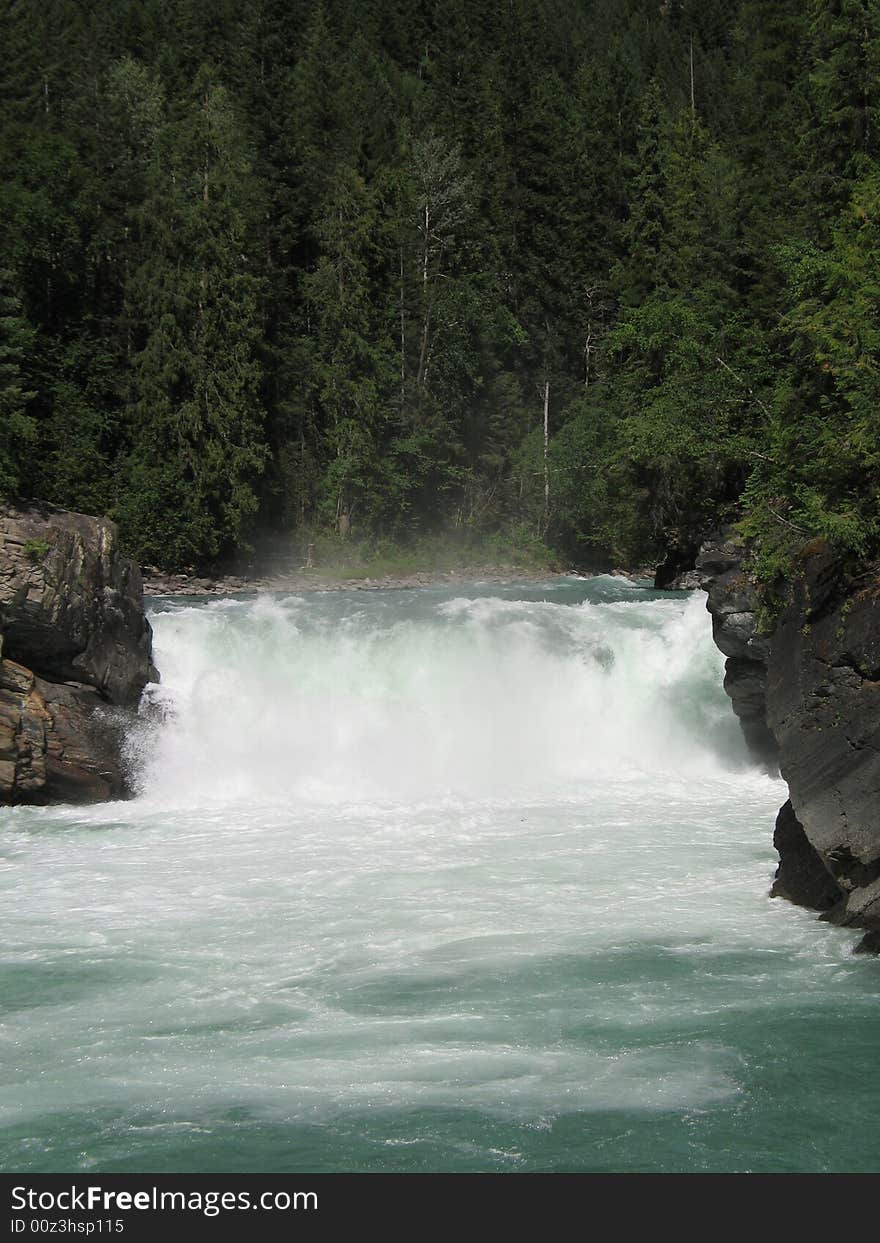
(808, 697)
(734, 604)
(75, 654)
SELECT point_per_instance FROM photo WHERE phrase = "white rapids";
(404, 856)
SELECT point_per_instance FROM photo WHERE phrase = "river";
(469, 879)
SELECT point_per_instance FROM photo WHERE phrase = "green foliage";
(820, 474)
(36, 549)
(516, 548)
(17, 427)
(195, 418)
(598, 495)
(844, 51)
(314, 265)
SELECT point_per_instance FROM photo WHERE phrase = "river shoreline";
(313, 580)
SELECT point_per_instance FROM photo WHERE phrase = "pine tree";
(353, 363)
(842, 134)
(820, 473)
(17, 427)
(682, 340)
(196, 417)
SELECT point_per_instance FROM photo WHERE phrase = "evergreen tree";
(318, 264)
(844, 44)
(17, 427)
(197, 447)
(820, 473)
(353, 364)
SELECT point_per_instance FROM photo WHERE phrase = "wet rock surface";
(71, 606)
(801, 877)
(75, 654)
(734, 603)
(808, 698)
(823, 704)
(677, 571)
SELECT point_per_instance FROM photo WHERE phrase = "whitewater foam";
(302, 698)
(417, 880)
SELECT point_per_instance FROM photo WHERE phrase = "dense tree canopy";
(303, 265)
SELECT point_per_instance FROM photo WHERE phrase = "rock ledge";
(75, 654)
(808, 698)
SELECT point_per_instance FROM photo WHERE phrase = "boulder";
(734, 603)
(808, 699)
(75, 654)
(823, 705)
(71, 606)
(56, 745)
(801, 877)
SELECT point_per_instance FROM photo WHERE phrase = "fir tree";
(196, 418)
(17, 427)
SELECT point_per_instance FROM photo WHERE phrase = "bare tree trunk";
(588, 353)
(205, 103)
(426, 305)
(693, 98)
(546, 453)
(402, 334)
(343, 516)
(867, 101)
(423, 352)
(126, 306)
(302, 475)
(425, 254)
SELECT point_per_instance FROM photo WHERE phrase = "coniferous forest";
(601, 274)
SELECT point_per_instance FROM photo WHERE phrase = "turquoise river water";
(468, 879)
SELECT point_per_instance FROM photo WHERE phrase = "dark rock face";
(823, 703)
(733, 602)
(54, 746)
(689, 580)
(70, 605)
(808, 699)
(676, 572)
(801, 877)
(73, 642)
